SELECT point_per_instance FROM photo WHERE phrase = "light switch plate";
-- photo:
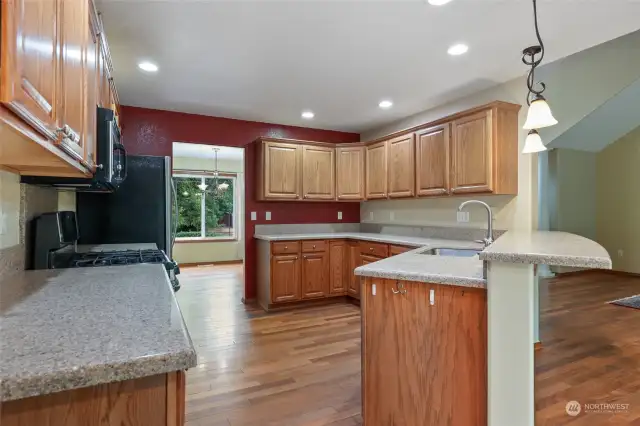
(392, 216)
(373, 289)
(339, 215)
(463, 217)
(267, 216)
(254, 216)
(432, 297)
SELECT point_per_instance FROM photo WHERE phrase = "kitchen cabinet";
(432, 161)
(376, 171)
(315, 275)
(51, 64)
(29, 64)
(395, 250)
(338, 267)
(285, 278)
(353, 261)
(423, 363)
(281, 170)
(350, 173)
(401, 166)
(318, 172)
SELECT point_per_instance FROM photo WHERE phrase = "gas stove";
(113, 258)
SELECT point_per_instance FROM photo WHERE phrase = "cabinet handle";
(305, 256)
(400, 290)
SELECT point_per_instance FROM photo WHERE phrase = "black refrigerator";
(141, 210)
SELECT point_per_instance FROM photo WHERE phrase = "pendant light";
(218, 188)
(539, 114)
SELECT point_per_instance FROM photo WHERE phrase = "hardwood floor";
(303, 367)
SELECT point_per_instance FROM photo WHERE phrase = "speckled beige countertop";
(68, 328)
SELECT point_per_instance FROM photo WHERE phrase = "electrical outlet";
(392, 216)
(339, 215)
(267, 216)
(254, 216)
(463, 217)
(620, 253)
(373, 289)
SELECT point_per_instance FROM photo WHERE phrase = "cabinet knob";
(286, 247)
(314, 246)
(305, 256)
(371, 248)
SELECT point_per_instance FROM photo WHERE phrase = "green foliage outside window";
(218, 210)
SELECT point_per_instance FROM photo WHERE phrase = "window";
(202, 214)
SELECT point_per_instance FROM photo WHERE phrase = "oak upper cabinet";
(338, 257)
(281, 170)
(29, 64)
(92, 90)
(376, 171)
(74, 28)
(350, 172)
(318, 172)
(401, 166)
(353, 261)
(471, 151)
(315, 277)
(285, 278)
(432, 161)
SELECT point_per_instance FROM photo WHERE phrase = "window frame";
(204, 174)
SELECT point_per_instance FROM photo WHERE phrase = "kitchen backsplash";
(19, 204)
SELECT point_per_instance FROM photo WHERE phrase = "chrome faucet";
(489, 239)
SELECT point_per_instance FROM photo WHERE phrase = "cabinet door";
(350, 173)
(104, 87)
(285, 278)
(282, 170)
(315, 276)
(29, 63)
(376, 171)
(338, 267)
(92, 89)
(432, 161)
(471, 151)
(401, 166)
(424, 364)
(74, 16)
(318, 172)
(353, 281)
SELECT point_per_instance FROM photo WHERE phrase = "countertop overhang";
(63, 329)
(547, 248)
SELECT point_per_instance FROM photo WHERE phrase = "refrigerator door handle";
(176, 215)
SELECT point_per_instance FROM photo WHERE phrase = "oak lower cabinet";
(148, 401)
(423, 364)
(353, 261)
(338, 267)
(315, 275)
(285, 278)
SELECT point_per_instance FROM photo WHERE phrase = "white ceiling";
(269, 60)
(194, 150)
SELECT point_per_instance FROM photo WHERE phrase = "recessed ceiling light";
(438, 2)
(308, 115)
(148, 66)
(458, 49)
(385, 104)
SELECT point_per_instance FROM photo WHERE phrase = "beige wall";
(192, 252)
(618, 201)
(511, 212)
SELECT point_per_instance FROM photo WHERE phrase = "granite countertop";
(69, 328)
(547, 248)
(410, 266)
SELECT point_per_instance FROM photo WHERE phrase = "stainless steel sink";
(451, 252)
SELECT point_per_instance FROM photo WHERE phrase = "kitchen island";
(89, 346)
(439, 349)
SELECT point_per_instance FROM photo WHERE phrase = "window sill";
(205, 240)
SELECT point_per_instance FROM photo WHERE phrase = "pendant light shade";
(203, 186)
(539, 115)
(533, 143)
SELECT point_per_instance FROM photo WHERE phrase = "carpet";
(629, 302)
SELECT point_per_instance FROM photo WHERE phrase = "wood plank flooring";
(303, 367)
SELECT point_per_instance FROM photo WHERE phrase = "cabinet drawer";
(314, 246)
(393, 250)
(374, 249)
(285, 247)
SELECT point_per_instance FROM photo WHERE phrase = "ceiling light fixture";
(438, 2)
(539, 114)
(218, 189)
(385, 104)
(148, 66)
(308, 115)
(458, 49)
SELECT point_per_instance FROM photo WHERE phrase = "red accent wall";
(152, 132)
